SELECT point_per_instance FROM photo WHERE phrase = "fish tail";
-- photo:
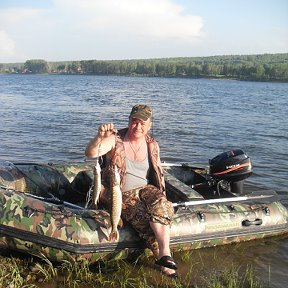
(114, 235)
(116, 206)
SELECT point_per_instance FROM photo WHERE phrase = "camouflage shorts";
(144, 205)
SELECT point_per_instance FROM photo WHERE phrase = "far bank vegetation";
(266, 67)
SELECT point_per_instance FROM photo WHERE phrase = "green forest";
(264, 67)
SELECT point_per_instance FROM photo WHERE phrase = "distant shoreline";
(264, 67)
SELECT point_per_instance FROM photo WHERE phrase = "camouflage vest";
(155, 176)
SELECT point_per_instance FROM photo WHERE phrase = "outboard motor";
(233, 166)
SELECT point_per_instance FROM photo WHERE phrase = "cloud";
(16, 16)
(120, 29)
(162, 19)
(16, 26)
(102, 29)
(7, 46)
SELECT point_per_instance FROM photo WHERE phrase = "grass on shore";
(28, 272)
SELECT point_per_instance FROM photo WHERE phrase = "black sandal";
(167, 261)
(172, 276)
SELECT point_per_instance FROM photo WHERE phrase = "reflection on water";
(265, 256)
(46, 118)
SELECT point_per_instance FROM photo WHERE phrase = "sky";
(73, 30)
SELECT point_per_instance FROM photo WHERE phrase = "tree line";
(266, 67)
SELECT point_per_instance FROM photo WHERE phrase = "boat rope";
(84, 214)
(27, 210)
(183, 209)
(234, 211)
(60, 205)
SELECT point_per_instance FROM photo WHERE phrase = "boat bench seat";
(180, 189)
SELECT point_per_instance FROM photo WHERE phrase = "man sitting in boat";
(137, 157)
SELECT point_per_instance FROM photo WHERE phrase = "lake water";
(52, 117)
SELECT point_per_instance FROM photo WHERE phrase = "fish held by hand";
(116, 207)
(97, 184)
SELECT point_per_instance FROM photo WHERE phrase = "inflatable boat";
(44, 209)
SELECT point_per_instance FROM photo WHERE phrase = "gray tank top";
(136, 174)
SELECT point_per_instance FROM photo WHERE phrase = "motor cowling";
(233, 166)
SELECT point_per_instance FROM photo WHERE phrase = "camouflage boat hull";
(34, 222)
